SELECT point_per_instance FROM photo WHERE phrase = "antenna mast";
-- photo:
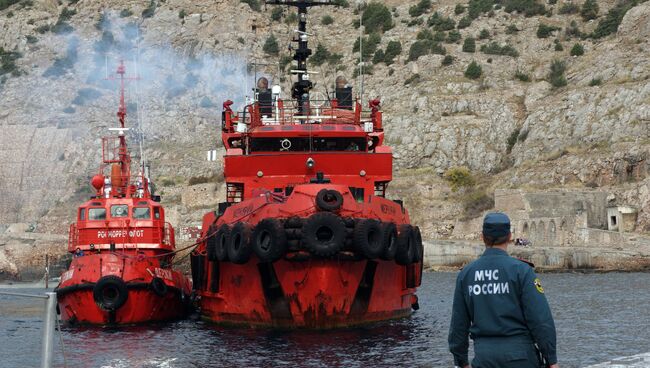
(301, 88)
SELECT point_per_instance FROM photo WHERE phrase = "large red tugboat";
(122, 247)
(306, 237)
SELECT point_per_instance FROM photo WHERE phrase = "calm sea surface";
(598, 316)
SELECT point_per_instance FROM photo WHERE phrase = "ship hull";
(314, 293)
(105, 289)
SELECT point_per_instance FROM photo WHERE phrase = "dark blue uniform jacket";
(500, 296)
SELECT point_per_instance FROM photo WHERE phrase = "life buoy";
(405, 245)
(389, 240)
(158, 286)
(222, 238)
(239, 246)
(323, 234)
(367, 238)
(418, 254)
(211, 244)
(269, 240)
(329, 200)
(110, 293)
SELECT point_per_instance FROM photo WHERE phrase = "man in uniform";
(499, 302)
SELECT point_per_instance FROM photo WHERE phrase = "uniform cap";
(496, 225)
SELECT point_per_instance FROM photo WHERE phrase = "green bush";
(473, 71)
(182, 14)
(512, 140)
(527, 7)
(271, 46)
(469, 45)
(595, 82)
(569, 8)
(544, 30)
(440, 23)
(589, 10)
(477, 7)
(437, 48)
(439, 36)
(326, 20)
(558, 45)
(493, 48)
(126, 13)
(447, 60)
(522, 76)
(379, 57)
(377, 18)
(8, 62)
(459, 177)
(276, 14)
(149, 10)
(393, 49)
(420, 8)
(320, 56)
(370, 45)
(556, 75)
(284, 61)
(254, 4)
(577, 50)
(459, 9)
(453, 36)
(31, 39)
(4, 4)
(341, 3)
(424, 34)
(512, 29)
(420, 48)
(609, 25)
(292, 19)
(484, 35)
(464, 22)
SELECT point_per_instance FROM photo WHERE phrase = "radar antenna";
(301, 88)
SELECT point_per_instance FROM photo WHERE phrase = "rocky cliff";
(562, 98)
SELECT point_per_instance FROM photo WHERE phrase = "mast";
(125, 158)
(301, 88)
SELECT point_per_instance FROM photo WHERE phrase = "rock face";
(56, 104)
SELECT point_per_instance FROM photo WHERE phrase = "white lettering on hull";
(103, 234)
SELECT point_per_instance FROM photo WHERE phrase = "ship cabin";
(128, 223)
(275, 145)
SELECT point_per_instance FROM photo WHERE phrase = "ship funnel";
(343, 93)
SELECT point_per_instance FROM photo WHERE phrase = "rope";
(58, 325)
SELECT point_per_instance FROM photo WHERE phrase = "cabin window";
(303, 144)
(156, 213)
(119, 210)
(82, 214)
(97, 214)
(141, 213)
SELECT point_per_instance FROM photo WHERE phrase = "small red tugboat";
(122, 247)
(306, 237)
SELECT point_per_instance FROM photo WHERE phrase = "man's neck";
(503, 247)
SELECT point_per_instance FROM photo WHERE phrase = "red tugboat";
(122, 247)
(306, 237)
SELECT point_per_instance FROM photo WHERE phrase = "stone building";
(621, 218)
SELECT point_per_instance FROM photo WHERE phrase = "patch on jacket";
(538, 286)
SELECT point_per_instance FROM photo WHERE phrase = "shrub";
(126, 13)
(556, 75)
(370, 44)
(477, 7)
(448, 60)
(341, 3)
(414, 79)
(284, 61)
(271, 46)
(4, 4)
(512, 29)
(379, 57)
(595, 82)
(475, 203)
(439, 36)
(202, 179)
(512, 140)
(8, 62)
(573, 31)
(31, 39)
(459, 9)
(326, 20)
(292, 18)
(43, 29)
(473, 71)
(254, 4)
(420, 8)
(469, 45)
(569, 8)
(577, 50)
(459, 177)
(320, 56)
(419, 48)
(464, 22)
(424, 34)
(182, 14)
(544, 30)
(589, 10)
(493, 48)
(440, 23)
(484, 35)
(437, 48)
(522, 76)
(377, 18)
(149, 10)
(527, 7)
(393, 49)
(276, 14)
(558, 45)
(453, 36)
(609, 25)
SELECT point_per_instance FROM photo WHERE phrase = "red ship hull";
(112, 288)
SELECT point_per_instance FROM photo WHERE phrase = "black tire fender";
(389, 240)
(269, 240)
(239, 245)
(211, 244)
(323, 234)
(110, 293)
(367, 238)
(158, 286)
(222, 238)
(329, 200)
(418, 255)
(405, 245)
